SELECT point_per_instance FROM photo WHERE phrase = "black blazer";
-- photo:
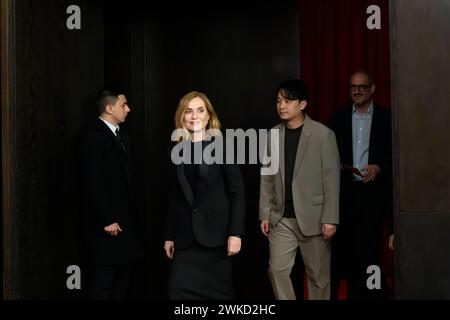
(216, 213)
(380, 153)
(107, 196)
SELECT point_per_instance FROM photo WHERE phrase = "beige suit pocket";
(317, 201)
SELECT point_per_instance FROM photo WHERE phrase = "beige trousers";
(284, 239)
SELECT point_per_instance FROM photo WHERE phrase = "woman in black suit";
(205, 221)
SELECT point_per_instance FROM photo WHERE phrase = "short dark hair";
(107, 95)
(293, 89)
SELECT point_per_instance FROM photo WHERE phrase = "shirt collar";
(110, 125)
(369, 111)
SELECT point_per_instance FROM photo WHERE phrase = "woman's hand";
(169, 247)
(234, 246)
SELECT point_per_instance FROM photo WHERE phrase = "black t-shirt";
(292, 138)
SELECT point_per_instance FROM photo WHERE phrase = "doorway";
(237, 55)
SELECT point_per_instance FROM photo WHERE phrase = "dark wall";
(421, 97)
(1, 153)
(237, 55)
(56, 71)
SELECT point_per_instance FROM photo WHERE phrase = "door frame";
(9, 243)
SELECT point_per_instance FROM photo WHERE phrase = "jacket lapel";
(185, 185)
(200, 189)
(281, 152)
(374, 129)
(348, 129)
(303, 144)
(203, 186)
(111, 135)
(118, 148)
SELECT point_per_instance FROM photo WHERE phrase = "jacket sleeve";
(92, 162)
(385, 159)
(331, 179)
(172, 200)
(234, 185)
(266, 192)
(388, 170)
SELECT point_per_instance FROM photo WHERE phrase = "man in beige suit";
(299, 204)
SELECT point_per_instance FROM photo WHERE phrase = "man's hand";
(370, 172)
(169, 247)
(234, 246)
(113, 230)
(265, 227)
(328, 231)
(391, 242)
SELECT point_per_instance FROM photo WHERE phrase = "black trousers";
(109, 282)
(357, 244)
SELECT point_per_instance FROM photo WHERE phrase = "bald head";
(363, 73)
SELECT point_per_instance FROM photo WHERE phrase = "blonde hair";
(214, 122)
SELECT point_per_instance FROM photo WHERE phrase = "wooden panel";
(6, 46)
(1, 152)
(55, 73)
(423, 246)
(420, 50)
(421, 96)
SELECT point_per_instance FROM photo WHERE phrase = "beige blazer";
(315, 183)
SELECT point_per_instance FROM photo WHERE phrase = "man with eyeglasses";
(363, 134)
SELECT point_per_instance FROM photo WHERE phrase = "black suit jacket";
(380, 153)
(214, 214)
(107, 196)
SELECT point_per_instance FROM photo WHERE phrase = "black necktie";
(119, 138)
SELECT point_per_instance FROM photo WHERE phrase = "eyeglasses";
(359, 87)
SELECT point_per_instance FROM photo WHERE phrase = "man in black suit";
(363, 133)
(109, 214)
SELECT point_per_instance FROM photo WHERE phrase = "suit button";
(194, 211)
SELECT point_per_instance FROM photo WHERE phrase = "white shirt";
(362, 126)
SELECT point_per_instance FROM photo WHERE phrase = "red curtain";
(335, 42)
